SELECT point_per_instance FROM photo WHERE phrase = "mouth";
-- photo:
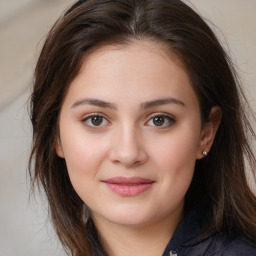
(129, 186)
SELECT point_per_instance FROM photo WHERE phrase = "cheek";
(175, 157)
(177, 149)
(177, 164)
(83, 153)
(83, 159)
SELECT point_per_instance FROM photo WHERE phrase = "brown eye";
(96, 120)
(161, 121)
(158, 120)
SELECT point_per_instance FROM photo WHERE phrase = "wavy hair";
(220, 178)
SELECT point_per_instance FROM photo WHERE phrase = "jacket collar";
(189, 231)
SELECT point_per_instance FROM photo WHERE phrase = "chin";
(129, 216)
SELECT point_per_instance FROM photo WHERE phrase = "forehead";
(134, 46)
(141, 68)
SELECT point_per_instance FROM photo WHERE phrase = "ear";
(58, 148)
(209, 131)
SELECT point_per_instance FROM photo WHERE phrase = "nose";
(127, 148)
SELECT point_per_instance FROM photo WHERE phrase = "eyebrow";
(94, 102)
(145, 105)
(160, 102)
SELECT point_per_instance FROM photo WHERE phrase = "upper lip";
(128, 181)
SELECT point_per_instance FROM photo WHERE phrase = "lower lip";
(129, 190)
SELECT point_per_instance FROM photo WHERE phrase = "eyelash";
(90, 116)
(167, 118)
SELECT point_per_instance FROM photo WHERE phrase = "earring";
(204, 153)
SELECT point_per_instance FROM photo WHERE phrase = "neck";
(124, 240)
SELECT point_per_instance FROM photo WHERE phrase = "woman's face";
(130, 133)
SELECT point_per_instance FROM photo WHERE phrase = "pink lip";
(128, 186)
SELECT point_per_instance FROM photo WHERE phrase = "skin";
(127, 141)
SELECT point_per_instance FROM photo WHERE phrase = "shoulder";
(221, 244)
(239, 247)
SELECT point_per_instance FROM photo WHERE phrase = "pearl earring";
(204, 153)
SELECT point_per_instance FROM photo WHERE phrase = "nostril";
(126, 162)
(137, 163)
(133, 159)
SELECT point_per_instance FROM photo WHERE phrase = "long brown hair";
(220, 178)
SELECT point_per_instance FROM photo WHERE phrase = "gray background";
(24, 230)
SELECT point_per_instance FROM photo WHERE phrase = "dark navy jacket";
(187, 242)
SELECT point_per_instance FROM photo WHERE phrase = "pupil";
(158, 121)
(97, 120)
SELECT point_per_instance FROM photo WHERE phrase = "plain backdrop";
(24, 230)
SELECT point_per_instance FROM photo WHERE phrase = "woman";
(140, 134)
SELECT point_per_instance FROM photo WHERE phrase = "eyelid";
(171, 118)
(86, 117)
